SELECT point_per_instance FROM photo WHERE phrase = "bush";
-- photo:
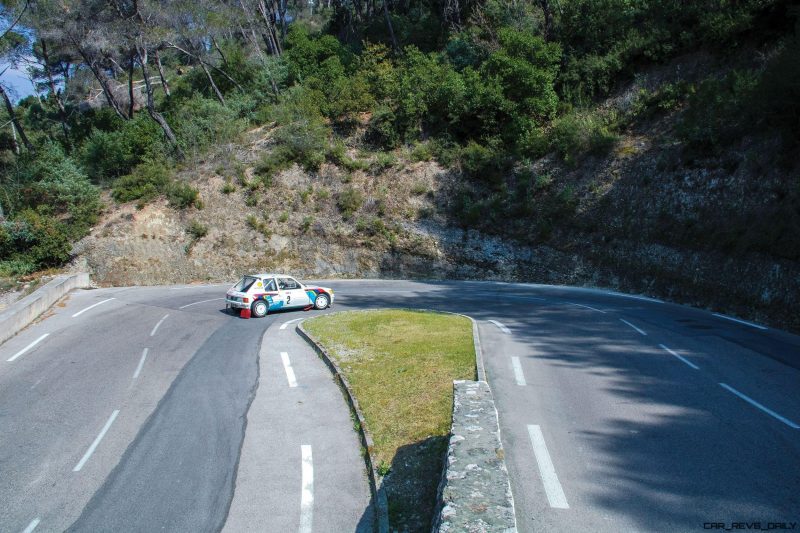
(201, 122)
(197, 230)
(349, 201)
(109, 154)
(52, 179)
(147, 181)
(718, 110)
(183, 195)
(381, 130)
(34, 240)
(577, 134)
(486, 162)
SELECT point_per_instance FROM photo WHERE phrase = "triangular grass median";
(401, 365)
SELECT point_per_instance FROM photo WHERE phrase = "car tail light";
(246, 300)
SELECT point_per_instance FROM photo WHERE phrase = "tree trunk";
(219, 51)
(548, 19)
(131, 98)
(151, 106)
(389, 25)
(14, 138)
(14, 121)
(211, 81)
(51, 82)
(161, 74)
(103, 80)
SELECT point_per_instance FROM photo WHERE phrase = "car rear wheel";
(322, 301)
(259, 308)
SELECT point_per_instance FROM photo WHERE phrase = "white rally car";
(262, 293)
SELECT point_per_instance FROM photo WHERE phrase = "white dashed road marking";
(746, 323)
(518, 375)
(141, 364)
(152, 333)
(96, 442)
(31, 526)
(502, 327)
(552, 487)
(287, 365)
(587, 307)
(634, 327)
(79, 313)
(307, 494)
(283, 326)
(200, 302)
(28, 347)
(680, 357)
(758, 405)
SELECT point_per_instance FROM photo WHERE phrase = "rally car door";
(292, 293)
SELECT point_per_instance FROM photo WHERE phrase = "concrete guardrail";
(21, 313)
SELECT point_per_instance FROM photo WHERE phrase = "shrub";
(577, 134)
(147, 181)
(422, 152)
(486, 162)
(718, 110)
(52, 179)
(197, 230)
(271, 163)
(381, 130)
(228, 188)
(383, 161)
(183, 195)
(34, 240)
(201, 122)
(349, 201)
(109, 154)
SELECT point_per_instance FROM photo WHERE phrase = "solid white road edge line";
(746, 323)
(31, 526)
(152, 333)
(79, 313)
(756, 404)
(200, 302)
(634, 327)
(287, 366)
(502, 327)
(283, 326)
(518, 375)
(307, 494)
(587, 307)
(92, 448)
(680, 357)
(28, 347)
(552, 487)
(141, 364)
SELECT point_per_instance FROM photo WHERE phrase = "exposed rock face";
(714, 233)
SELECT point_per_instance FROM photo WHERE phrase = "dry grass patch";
(401, 365)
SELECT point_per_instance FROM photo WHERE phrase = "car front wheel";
(259, 308)
(322, 301)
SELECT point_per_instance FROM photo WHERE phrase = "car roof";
(272, 275)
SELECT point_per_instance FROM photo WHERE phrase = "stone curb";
(375, 480)
(26, 310)
(451, 508)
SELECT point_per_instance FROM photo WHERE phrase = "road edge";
(21, 313)
(375, 481)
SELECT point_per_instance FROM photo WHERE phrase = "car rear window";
(244, 284)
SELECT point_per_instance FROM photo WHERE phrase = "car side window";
(282, 284)
(269, 285)
(294, 283)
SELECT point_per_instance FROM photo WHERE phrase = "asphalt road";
(155, 410)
